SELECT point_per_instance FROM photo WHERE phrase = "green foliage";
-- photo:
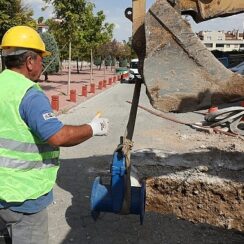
(97, 61)
(51, 46)
(133, 53)
(113, 61)
(119, 50)
(40, 20)
(80, 25)
(13, 13)
(108, 61)
(123, 62)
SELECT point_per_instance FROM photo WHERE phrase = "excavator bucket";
(179, 72)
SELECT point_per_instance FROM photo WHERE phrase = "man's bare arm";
(71, 135)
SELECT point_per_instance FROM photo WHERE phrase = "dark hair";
(16, 61)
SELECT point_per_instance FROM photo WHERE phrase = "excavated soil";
(198, 197)
(199, 177)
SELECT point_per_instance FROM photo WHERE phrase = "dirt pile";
(201, 186)
(198, 197)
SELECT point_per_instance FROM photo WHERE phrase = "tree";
(119, 50)
(123, 62)
(51, 63)
(40, 20)
(98, 61)
(108, 61)
(80, 25)
(113, 62)
(13, 13)
(133, 53)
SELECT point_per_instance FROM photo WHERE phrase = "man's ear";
(29, 63)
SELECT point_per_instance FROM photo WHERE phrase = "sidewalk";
(58, 85)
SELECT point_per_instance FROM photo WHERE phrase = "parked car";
(133, 69)
(238, 68)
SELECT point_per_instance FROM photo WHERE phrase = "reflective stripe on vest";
(25, 147)
(24, 165)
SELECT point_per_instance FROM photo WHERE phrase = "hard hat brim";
(43, 53)
(46, 53)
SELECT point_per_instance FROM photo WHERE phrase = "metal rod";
(91, 70)
(69, 72)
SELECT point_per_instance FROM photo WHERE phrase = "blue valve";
(110, 198)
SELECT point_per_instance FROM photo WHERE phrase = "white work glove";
(99, 126)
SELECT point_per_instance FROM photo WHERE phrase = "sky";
(114, 11)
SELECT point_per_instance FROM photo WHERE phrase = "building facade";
(222, 41)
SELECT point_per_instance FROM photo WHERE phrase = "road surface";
(69, 215)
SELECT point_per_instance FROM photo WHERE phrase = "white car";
(239, 69)
(133, 70)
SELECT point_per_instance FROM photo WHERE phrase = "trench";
(202, 186)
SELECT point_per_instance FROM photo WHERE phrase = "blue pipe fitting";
(109, 198)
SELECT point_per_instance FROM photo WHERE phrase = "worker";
(30, 137)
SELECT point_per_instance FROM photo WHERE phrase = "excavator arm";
(179, 72)
(202, 10)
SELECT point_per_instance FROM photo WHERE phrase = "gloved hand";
(99, 126)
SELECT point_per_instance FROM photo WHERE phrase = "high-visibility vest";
(28, 166)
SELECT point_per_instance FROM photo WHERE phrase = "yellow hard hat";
(23, 37)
